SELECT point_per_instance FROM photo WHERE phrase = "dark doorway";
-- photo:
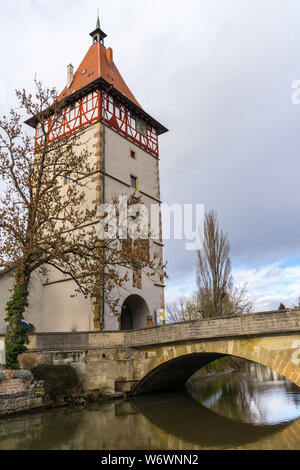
(134, 313)
(126, 318)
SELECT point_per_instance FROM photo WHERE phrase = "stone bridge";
(165, 357)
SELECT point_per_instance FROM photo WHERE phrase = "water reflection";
(257, 395)
(180, 415)
(233, 412)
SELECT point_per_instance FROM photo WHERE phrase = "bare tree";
(217, 296)
(297, 304)
(45, 224)
(183, 309)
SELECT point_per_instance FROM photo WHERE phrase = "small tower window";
(133, 181)
(132, 154)
(39, 130)
(68, 178)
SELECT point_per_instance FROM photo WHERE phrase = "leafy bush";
(59, 380)
(2, 376)
(23, 374)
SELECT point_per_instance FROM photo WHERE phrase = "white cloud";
(268, 285)
(183, 287)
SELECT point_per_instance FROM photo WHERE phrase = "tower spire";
(98, 21)
(98, 35)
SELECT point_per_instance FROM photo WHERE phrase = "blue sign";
(24, 323)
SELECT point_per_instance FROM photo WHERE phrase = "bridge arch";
(134, 312)
(169, 367)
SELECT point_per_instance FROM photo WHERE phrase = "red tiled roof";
(97, 66)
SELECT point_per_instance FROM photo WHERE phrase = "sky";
(218, 74)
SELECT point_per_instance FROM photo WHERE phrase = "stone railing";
(262, 324)
(267, 323)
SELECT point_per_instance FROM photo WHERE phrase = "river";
(250, 409)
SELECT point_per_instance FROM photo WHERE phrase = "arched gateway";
(134, 313)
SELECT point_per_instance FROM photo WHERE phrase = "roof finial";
(98, 21)
(98, 35)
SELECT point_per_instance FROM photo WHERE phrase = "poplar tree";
(217, 295)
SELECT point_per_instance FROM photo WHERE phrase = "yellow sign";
(162, 316)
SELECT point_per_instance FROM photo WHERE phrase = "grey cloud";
(218, 75)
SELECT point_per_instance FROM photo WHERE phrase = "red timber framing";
(89, 109)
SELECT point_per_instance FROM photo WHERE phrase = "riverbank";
(23, 391)
(26, 402)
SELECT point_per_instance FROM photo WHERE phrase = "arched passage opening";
(134, 313)
(171, 364)
(173, 374)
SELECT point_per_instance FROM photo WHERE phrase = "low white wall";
(6, 284)
(2, 351)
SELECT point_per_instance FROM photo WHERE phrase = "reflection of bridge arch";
(182, 416)
(171, 366)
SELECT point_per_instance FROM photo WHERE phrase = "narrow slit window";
(68, 178)
(132, 154)
(133, 181)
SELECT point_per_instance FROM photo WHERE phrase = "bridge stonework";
(164, 357)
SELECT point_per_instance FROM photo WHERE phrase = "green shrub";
(2, 376)
(23, 374)
(16, 336)
(59, 380)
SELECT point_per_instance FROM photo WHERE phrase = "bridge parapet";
(227, 327)
(265, 323)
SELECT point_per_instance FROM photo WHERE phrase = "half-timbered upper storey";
(96, 91)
